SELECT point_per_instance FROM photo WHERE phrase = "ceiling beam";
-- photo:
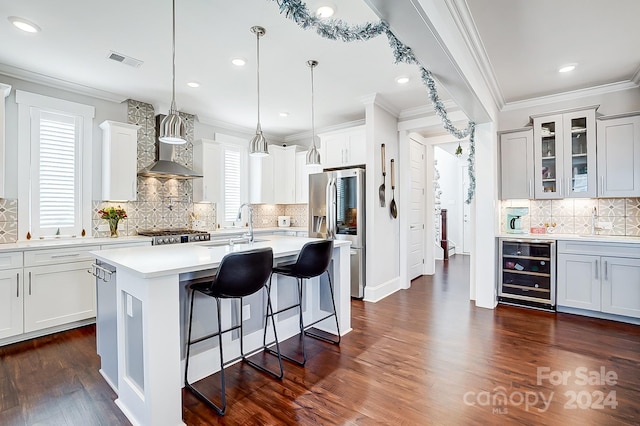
(409, 22)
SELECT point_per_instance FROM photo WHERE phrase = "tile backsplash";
(573, 216)
(266, 215)
(161, 203)
(8, 221)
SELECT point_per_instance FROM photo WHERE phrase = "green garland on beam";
(297, 11)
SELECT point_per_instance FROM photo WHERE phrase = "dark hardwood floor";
(422, 356)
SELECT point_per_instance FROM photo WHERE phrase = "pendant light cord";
(173, 60)
(258, 73)
(313, 114)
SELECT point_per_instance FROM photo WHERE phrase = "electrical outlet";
(246, 312)
(605, 225)
(103, 227)
(265, 221)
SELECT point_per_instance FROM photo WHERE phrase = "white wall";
(383, 232)
(104, 110)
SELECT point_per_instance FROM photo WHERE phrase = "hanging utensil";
(392, 206)
(382, 189)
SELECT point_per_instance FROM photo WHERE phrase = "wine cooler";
(527, 273)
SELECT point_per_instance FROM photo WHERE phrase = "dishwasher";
(527, 274)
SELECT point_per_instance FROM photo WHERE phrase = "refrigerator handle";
(328, 207)
(332, 196)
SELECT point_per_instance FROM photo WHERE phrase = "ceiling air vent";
(127, 60)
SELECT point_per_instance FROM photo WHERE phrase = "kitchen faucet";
(250, 233)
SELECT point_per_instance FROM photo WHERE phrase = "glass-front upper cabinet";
(565, 155)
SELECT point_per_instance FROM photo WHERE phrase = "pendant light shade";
(258, 144)
(172, 129)
(313, 156)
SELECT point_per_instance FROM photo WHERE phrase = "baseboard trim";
(379, 292)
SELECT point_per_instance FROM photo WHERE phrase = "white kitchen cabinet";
(302, 177)
(284, 173)
(5, 89)
(119, 161)
(273, 177)
(619, 156)
(11, 302)
(207, 161)
(342, 148)
(565, 154)
(621, 286)
(57, 288)
(516, 164)
(599, 276)
(578, 283)
(57, 295)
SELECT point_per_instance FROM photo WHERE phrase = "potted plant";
(113, 216)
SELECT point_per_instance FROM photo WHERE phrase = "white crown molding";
(377, 99)
(571, 95)
(426, 110)
(57, 83)
(5, 89)
(464, 21)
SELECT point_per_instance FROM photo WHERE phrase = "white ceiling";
(524, 41)
(527, 41)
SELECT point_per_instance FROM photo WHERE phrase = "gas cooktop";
(174, 236)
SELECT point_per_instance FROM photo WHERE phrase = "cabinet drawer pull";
(57, 256)
(18, 284)
(605, 271)
(597, 274)
(29, 283)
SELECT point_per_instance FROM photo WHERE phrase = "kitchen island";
(146, 304)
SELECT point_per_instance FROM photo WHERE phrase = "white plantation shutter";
(57, 188)
(55, 158)
(232, 184)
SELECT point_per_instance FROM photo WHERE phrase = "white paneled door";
(417, 210)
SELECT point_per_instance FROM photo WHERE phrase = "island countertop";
(155, 261)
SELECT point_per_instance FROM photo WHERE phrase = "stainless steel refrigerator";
(336, 211)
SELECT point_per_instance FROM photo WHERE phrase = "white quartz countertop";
(47, 243)
(574, 237)
(241, 230)
(155, 261)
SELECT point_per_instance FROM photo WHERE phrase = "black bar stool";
(313, 261)
(239, 274)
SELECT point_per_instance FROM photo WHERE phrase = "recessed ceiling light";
(283, 114)
(193, 84)
(239, 62)
(402, 80)
(325, 11)
(24, 25)
(567, 68)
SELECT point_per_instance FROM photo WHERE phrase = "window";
(54, 187)
(232, 182)
(234, 178)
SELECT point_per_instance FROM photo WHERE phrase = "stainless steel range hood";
(165, 166)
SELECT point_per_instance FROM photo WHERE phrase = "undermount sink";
(226, 242)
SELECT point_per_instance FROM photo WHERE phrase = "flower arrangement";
(113, 215)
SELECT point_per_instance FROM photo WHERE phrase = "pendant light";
(172, 127)
(313, 156)
(258, 145)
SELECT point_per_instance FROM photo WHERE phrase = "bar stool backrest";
(313, 259)
(243, 273)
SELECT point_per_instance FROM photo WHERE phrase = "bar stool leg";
(304, 351)
(335, 315)
(220, 410)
